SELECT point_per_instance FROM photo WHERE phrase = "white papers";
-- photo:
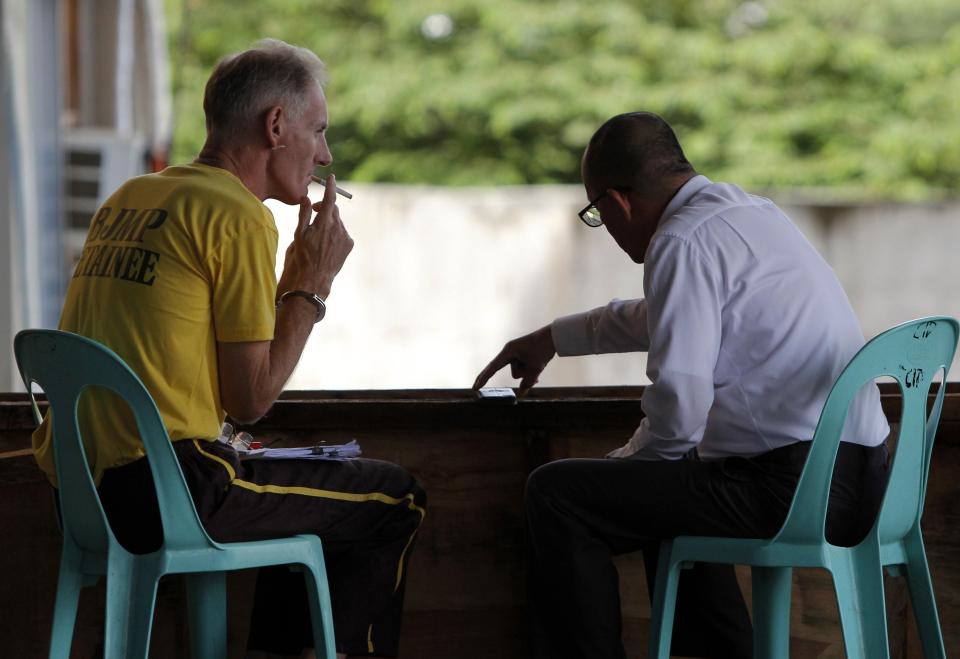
(337, 452)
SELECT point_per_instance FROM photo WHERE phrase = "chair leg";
(771, 611)
(69, 582)
(664, 603)
(922, 599)
(131, 594)
(321, 611)
(858, 581)
(207, 602)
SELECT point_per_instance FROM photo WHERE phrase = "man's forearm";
(295, 321)
(620, 326)
(252, 375)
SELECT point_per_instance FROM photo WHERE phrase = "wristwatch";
(313, 298)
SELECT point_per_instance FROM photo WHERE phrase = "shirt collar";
(683, 195)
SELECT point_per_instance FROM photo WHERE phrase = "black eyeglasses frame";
(585, 212)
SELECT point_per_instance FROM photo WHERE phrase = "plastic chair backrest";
(912, 354)
(65, 364)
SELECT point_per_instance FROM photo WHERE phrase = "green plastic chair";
(912, 353)
(64, 364)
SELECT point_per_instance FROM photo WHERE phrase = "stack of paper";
(317, 452)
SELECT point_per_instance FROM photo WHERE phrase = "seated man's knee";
(392, 477)
(544, 482)
(406, 484)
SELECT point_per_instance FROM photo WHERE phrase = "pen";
(340, 191)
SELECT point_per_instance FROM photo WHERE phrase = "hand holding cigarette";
(319, 248)
(323, 181)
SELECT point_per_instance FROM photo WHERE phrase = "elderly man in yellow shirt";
(177, 277)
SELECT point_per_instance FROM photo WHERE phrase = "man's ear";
(274, 125)
(622, 199)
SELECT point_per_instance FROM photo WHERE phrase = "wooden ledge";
(581, 408)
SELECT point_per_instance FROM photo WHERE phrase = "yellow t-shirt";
(173, 263)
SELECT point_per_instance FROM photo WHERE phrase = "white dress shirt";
(746, 327)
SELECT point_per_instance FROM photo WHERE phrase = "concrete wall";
(440, 278)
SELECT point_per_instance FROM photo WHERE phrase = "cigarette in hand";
(323, 181)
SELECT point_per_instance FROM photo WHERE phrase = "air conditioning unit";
(96, 162)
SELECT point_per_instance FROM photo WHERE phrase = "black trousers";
(366, 512)
(580, 513)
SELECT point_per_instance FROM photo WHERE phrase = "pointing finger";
(495, 365)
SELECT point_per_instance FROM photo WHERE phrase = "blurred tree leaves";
(856, 99)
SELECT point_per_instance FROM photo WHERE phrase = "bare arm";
(253, 373)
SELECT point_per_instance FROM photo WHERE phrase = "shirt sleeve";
(244, 284)
(620, 326)
(683, 317)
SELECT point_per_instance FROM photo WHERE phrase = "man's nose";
(323, 157)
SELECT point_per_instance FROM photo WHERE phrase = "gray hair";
(245, 85)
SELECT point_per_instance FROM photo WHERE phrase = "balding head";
(636, 151)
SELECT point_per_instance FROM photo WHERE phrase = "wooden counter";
(465, 595)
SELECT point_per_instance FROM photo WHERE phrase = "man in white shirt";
(746, 329)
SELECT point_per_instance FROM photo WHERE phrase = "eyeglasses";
(591, 214)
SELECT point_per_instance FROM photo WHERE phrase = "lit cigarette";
(322, 181)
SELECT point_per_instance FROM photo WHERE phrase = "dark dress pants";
(581, 513)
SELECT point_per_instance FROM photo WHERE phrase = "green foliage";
(860, 97)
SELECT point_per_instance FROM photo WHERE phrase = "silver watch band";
(313, 298)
